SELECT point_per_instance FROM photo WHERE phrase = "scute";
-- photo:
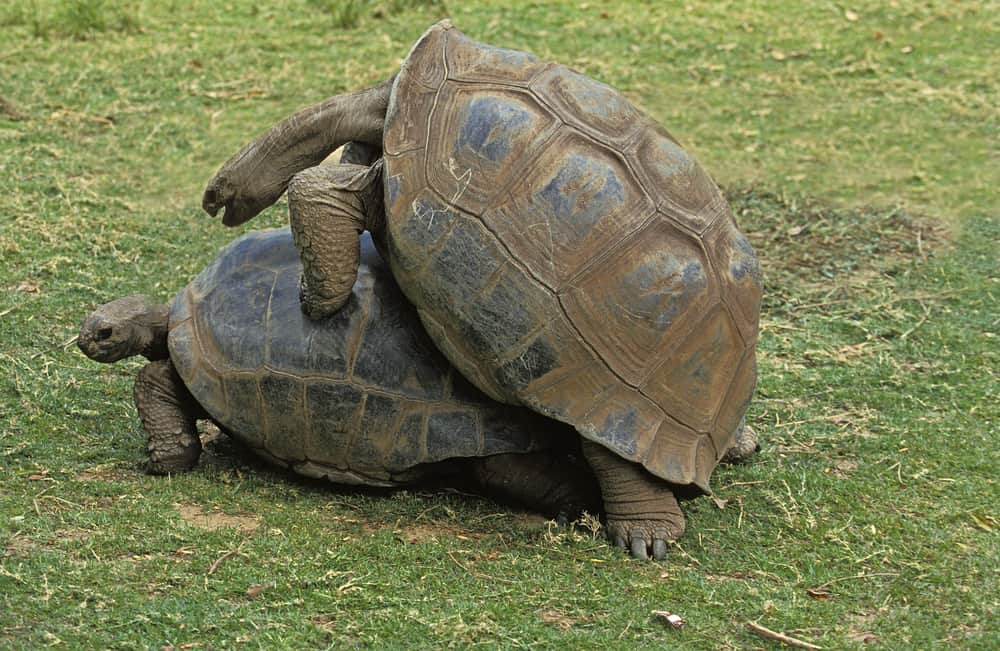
(637, 302)
(686, 193)
(230, 320)
(594, 108)
(491, 131)
(452, 433)
(487, 63)
(691, 383)
(581, 200)
(742, 280)
(284, 416)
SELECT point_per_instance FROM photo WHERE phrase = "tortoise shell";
(567, 254)
(362, 397)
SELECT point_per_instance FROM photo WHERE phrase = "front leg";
(641, 509)
(168, 413)
(328, 207)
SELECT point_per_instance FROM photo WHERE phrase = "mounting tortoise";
(562, 250)
(362, 397)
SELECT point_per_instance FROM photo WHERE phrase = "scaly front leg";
(168, 414)
(642, 511)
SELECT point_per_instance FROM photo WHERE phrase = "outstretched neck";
(154, 328)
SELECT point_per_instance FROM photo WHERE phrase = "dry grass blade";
(781, 637)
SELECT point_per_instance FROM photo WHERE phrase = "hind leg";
(546, 481)
(642, 511)
(745, 445)
(168, 414)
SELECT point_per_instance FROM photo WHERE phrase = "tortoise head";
(129, 326)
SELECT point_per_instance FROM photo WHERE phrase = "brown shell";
(567, 254)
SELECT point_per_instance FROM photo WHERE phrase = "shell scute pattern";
(625, 302)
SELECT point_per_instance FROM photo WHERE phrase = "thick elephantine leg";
(168, 414)
(259, 173)
(546, 481)
(745, 445)
(642, 512)
(328, 207)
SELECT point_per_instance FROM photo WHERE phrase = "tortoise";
(561, 248)
(362, 397)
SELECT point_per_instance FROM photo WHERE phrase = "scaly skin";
(642, 512)
(168, 414)
(329, 206)
(134, 325)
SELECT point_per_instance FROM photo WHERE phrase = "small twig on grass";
(780, 637)
(477, 574)
(65, 344)
(220, 560)
(854, 578)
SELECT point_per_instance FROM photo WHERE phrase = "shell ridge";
(607, 252)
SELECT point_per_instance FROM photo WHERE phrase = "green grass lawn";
(859, 146)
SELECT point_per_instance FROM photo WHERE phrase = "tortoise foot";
(745, 445)
(315, 305)
(170, 465)
(641, 510)
(644, 539)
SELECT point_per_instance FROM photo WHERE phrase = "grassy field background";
(859, 146)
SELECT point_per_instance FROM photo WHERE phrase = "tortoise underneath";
(362, 397)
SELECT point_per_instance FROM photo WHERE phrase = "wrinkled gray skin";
(330, 205)
(530, 468)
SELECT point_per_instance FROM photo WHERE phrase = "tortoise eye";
(104, 333)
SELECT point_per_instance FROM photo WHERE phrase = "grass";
(858, 145)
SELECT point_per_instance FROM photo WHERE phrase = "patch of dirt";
(842, 468)
(196, 516)
(813, 256)
(860, 627)
(806, 240)
(71, 534)
(10, 110)
(19, 547)
(105, 472)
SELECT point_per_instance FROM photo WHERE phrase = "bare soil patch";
(198, 517)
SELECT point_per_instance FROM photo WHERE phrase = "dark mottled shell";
(567, 254)
(361, 397)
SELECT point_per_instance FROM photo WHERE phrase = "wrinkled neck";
(152, 328)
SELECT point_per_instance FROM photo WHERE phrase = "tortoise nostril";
(104, 333)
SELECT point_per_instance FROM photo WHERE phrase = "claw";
(659, 549)
(639, 549)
